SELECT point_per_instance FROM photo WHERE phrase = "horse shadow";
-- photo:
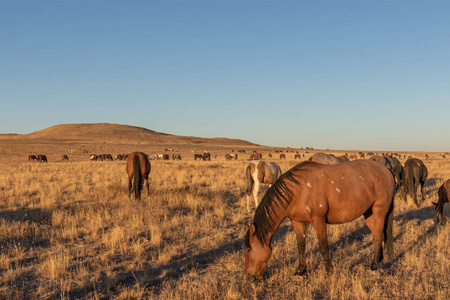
(152, 277)
(419, 215)
(32, 215)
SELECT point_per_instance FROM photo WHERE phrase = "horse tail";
(250, 181)
(388, 231)
(137, 177)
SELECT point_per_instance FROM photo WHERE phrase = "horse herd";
(323, 190)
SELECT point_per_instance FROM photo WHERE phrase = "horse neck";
(274, 228)
(269, 225)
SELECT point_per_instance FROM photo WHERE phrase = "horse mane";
(279, 196)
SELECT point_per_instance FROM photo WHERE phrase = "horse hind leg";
(422, 183)
(255, 193)
(147, 185)
(130, 188)
(375, 222)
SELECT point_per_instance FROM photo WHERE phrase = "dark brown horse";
(397, 170)
(138, 168)
(414, 173)
(318, 194)
(41, 158)
(32, 157)
(282, 156)
(444, 195)
(198, 157)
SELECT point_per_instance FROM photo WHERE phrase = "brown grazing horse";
(198, 157)
(138, 168)
(318, 194)
(32, 157)
(257, 172)
(414, 173)
(443, 193)
(254, 156)
(323, 158)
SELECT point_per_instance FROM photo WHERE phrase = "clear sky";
(368, 75)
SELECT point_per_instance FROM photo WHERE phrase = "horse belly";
(346, 206)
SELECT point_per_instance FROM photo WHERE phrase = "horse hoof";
(299, 272)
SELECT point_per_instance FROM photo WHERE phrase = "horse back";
(144, 164)
(340, 193)
(268, 172)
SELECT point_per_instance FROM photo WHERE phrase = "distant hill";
(116, 133)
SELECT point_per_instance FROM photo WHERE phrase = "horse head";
(256, 255)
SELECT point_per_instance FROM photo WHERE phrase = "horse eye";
(248, 249)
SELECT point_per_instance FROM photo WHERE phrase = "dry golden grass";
(68, 230)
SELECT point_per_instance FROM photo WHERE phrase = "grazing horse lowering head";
(256, 255)
(320, 194)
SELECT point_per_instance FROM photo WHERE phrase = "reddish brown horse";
(318, 194)
(414, 173)
(138, 168)
(444, 194)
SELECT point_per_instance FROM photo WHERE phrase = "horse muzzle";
(253, 278)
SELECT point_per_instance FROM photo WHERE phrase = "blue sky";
(368, 75)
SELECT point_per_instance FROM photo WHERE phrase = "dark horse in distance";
(318, 194)
(414, 173)
(138, 169)
(444, 195)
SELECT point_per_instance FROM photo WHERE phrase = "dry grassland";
(68, 230)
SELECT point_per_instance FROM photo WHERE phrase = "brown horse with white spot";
(257, 172)
(318, 194)
(138, 169)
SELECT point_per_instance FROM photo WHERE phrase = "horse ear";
(252, 229)
(247, 227)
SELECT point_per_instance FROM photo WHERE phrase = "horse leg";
(422, 183)
(300, 230)
(130, 186)
(321, 231)
(416, 188)
(375, 222)
(147, 185)
(255, 193)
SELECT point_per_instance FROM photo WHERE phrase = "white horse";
(259, 171)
